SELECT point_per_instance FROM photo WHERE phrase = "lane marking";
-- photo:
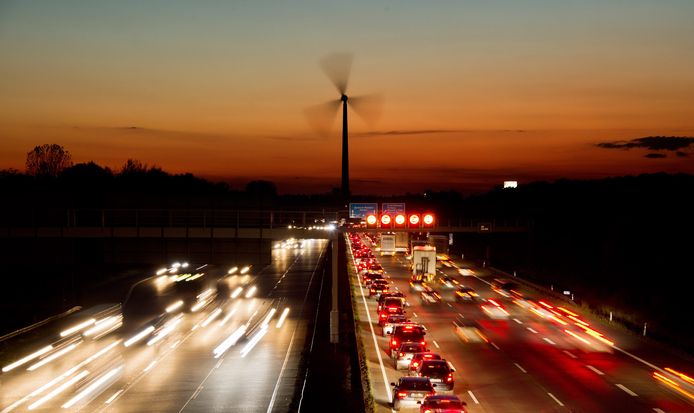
(520, 368)
(549, 341)
(570, 354)
(472, 396)
(461, 316)
(657, 410)
(313, 337)
(296, 327)
(555, 399)
(596, 371)
(435, 343)
(626, 390)
(517, 321)
(219, 363)
(413, 313)
(195, 395)
(494, 345)
(531, 330)
(386, 384)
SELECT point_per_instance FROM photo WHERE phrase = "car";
(390, 299)
(417, 359)
(447, 281)
(466, 294)
(439, 372)
(378, 286)
(417, 285)
(389, 311)
(469, 331)
(494, 309)
(368, 278)
(405, 353)
(505, 288)
(389, 322)
(403, 333)
(411, 391)
(442, 403)
(429, 296)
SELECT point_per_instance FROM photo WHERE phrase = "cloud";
(423, 132)
(655, 155)
(653, 143)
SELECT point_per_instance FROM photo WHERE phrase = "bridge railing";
(206, 218)
(155, 218)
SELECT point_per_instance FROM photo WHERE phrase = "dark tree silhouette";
(48, 160)
(133, 166)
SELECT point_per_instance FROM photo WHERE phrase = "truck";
(402, 240)
(387, 244)
(423, 262)
(440, 242)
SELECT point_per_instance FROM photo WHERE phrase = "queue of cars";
(426, 374)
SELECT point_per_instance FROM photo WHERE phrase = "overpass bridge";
(209, 223)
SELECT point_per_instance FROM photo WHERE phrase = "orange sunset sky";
(474, 93)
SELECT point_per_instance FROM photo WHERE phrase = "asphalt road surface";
(228, 354)
(529, 362)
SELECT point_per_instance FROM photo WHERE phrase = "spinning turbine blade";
(337, 68)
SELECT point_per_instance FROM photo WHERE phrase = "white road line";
(549, 341)
(195, 395)
(494, 345)
(531, 330)
(435, 343)
(654, 367)
(596, 371)
(219, 363)
(570, 354)
(657, 410)
(555, 399)
(461, 316)
(472, 396)
(517, 321)
(520, 368)
(386, 384)
(413, 313)
(626, 390)
(296, 327)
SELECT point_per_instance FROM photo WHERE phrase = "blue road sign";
(357, 210)
(393, 208)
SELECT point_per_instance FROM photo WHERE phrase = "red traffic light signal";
(414, 221)
(371, 221)
(400, 220)
(386, 221)
(428, 220)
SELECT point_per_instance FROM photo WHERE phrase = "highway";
(529, 363)
(236, 347)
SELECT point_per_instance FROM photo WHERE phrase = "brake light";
(428, 411)
(449, 378)
(373, 291)
(428, 356)
(402, 354)
(423, 342)
(394, 342)
(415, 364)
(402, 394)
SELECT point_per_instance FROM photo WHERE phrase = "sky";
(473, 92)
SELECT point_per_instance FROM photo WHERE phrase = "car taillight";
(372, 290)
(415, 364)
(402, 354)
(384, 315)
(428, 411)
(402, 394)
(394, 343)
(424, 343)
(449, 378)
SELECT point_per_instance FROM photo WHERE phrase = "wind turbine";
(338, 67)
